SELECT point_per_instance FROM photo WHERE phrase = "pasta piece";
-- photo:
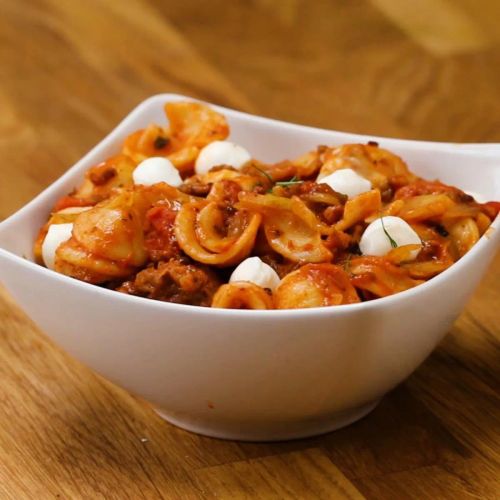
(242, 295)
(459, 211)
(60, 217)
(225, 191)
(147, 196)
(151, 141)
(379, 276)
(245, 181)
(403, 253)
(291, 229)
(381, 167)
(113, 230)
(73, 259)
(103, 180)
(318, 194)
(201, 237)
(220, 184)
(425, 207)
(326, 204)
(315, 285)
(434, 258)
(391, 209)
(491, 209)
(303, 167)
(421, 187)
(464, 235)
(108, 240)
(308, 164)
(435, 255)
(192, 126)
(184, 159)
(268, 174)
(70, 201)
(483, 223)
(427, 269)
(359, 209)
(217, 229)
(155, 141)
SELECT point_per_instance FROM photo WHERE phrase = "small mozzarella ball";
(346, 181)
(221, 153)
(57, 234)
(256, 271)
(156, 169)
(375, 241)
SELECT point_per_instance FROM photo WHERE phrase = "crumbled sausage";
(175, 281)
(159, 236)
(101, 174)
(196, 189)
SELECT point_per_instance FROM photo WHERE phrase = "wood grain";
(439, 26)
(295, 474)
(70, 70)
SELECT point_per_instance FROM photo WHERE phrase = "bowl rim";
(491, 236)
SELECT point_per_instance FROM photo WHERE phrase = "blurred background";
(71, 70)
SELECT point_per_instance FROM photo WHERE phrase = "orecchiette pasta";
(292, 230)
(313, 246)
(315, 285)
(242, 295)
(382, 168)
(211, 234)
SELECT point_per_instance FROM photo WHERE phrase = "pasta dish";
(183, 215)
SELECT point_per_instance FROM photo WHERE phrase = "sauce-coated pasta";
(181, 244)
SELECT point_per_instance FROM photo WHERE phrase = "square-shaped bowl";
(252, 375)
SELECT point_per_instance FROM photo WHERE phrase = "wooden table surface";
(70, 70)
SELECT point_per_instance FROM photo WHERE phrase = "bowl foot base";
(268, 431)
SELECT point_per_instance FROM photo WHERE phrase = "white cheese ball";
(256, 271)
(346, 181)
(156, 169)
(57, 234)
(375, 241)
(221, 153)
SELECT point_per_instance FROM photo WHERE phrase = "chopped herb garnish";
(294, 180)
(391, 239)
(161, 142)
(263, 172)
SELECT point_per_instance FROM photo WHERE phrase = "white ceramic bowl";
(252, 375)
